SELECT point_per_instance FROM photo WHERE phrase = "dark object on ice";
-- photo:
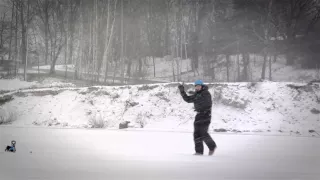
(124, 125)
(315, 111)
(5, 99)
(11, 148)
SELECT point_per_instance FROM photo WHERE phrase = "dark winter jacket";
(201, 99)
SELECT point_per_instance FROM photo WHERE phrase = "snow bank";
(238, 107)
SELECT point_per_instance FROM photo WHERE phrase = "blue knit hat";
(198, 82)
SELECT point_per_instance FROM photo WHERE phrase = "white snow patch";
(14, 84)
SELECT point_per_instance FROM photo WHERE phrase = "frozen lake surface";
(77, 154)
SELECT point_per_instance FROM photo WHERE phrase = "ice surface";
(76, 154)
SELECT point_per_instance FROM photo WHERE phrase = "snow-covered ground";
(73, 154)
(16, 84)
(21, 71)
(264, 107)
(34, 70)
(70, 67)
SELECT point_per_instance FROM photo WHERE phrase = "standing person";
(202, 105)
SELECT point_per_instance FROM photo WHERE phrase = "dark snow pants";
(200, 135)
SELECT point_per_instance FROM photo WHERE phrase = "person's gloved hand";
(181, 88)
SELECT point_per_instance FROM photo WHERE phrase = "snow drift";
(238, 107)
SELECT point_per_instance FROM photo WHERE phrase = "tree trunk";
(38, 59)
(173, 73)
(77, 72)
(24, 37)
(109, 37)
(66, 53)
(197, 34)
(228, 64)
(270, 68)
(2, 22)
(176, 43)
(26, 41)
(91, 62)
(55, 58)
(212, 65)
(185, 45)
(98, 51)
(167, 33)
(46, 31)
(245, 66)
(106, 42)
(16, 41)
(238, 67)
(263, 73)
(11, 27)
(140, 66)
(154, 67)
(71, 31)
(129, 69)
(115, 70)
(178, 37)
(178, 68)
(52, 69)
(66, 41)
(122, 45)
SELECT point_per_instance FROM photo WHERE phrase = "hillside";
(264, 107)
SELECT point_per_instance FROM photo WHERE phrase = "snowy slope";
(246, 107)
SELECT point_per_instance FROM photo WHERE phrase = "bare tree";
(57, 34)
(24, 28)
(11, 27)
(43, 8)
(109, 36)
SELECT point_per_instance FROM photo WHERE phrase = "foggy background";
(147, 41)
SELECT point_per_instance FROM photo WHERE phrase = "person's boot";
(212, 151)
(197, 154)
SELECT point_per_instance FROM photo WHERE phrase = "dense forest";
(120, 37)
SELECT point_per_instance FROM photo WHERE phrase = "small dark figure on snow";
(202, 105)
(124, 125)
(11, 148)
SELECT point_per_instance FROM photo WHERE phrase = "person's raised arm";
(188, 99)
